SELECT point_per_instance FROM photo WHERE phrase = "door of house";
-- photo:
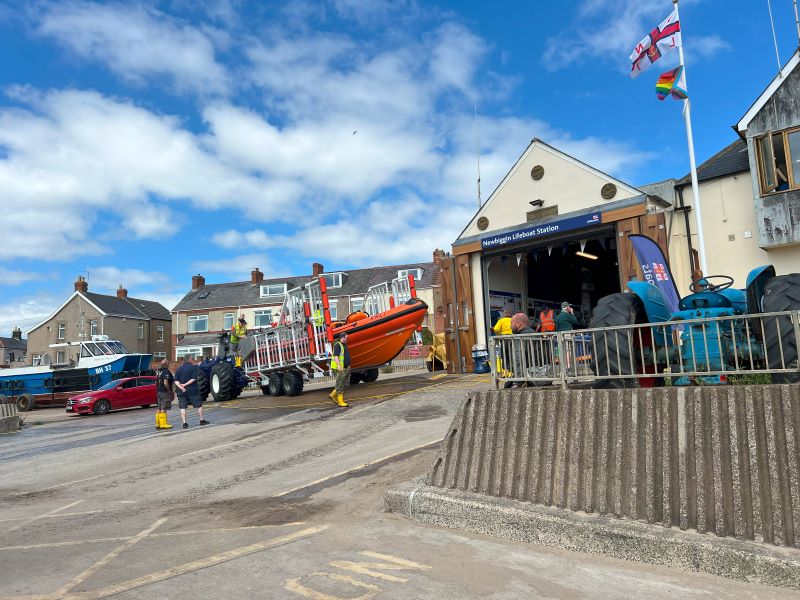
(654, 227)
(459, 313)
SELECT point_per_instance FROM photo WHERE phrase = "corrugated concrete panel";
(721, 460)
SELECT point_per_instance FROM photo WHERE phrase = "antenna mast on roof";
(774, 38)
(797, 23)
(478, 156)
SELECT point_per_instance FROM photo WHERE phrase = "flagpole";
(687, 117)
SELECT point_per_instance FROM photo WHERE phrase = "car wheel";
(101, 407)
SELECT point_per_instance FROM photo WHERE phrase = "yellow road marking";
(294, 585)
(388, 563)
(357, 468)
(44, 515)
(195, 565)
(81, 577)
(151, 536)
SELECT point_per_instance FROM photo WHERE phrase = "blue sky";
(143, 142)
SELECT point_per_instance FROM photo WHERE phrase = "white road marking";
(44, 515)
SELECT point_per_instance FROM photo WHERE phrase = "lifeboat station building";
(555, 229)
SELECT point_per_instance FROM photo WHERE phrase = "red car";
(120, 393)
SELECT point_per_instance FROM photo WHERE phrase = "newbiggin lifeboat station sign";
(529, 233)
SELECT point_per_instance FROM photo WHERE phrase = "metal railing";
(705, 351)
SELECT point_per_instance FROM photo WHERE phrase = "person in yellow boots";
(340, 364)
(165, 395)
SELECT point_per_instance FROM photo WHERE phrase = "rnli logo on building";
(529, 233)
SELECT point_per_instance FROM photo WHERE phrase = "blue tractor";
(704, 347)
(221, 375)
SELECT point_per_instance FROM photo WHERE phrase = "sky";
(144, 142)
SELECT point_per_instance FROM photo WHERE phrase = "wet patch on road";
(425, 413)
(252, 512)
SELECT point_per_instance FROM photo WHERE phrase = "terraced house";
(208, 309)
(142, 325)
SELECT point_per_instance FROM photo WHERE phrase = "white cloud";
(105, 279)
(26, 313)
(609, 29)
(15, 277)
(232, 238)
(238, 267)
(136, 42)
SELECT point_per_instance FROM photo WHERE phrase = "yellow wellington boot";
(340, 401)
(158, 420)
(333, 394)
(164, 424)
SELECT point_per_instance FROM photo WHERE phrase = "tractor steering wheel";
(697, 287)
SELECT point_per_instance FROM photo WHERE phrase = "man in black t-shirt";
(188, 392)
(165, 384)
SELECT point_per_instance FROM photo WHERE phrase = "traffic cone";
(340, 401)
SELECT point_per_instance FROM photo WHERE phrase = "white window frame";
(140, 331)
(62, 331)
(193, 351)
(333, 280)
(226, 324)
(334, 309)
(61, 357)
(416, 272)
(268, 289)
(160, 331)
(196, 319)
(356, 300)
(36, 360)
(258, 315)
(94, 327)
(161, 355)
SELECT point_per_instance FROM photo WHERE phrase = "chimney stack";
(438, 255)
(317, 269)
(198, 281)
(81, 285)
(256, 276)
(17, 334)
(122, 292)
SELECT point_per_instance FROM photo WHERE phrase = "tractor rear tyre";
(370, 375)
(611, 353)
(292, 383)
(25, 402)
(781, 294)
(275, 385)
(222, 381)
(203, 385)
(355, 378)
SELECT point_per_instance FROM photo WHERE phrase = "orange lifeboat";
(375, 340)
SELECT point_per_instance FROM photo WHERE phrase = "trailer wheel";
(25, 403)
(781, 294)
(203, 386)
(292, 383)
(275, 385)
(611, 354)
(222, 381)
(355, 378)
(370, 375)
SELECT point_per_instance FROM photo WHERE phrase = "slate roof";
(151, 309)
(728, 161)
(245, 293)
(128, 307)
(10, 343)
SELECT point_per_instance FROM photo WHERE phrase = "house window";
(779, 161)
(160, 331)
(417, 273)
(356, 304)
(198, 323)
(61, 357)
(141, 331)
(193, 351)
(36, 360)
(263, 318)
(333, 280)
(333, 310)
(227, 321)
(273, 289)
(160, 355)
(62, 331)
(93, 327)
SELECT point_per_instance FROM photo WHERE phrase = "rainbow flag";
(671, 84)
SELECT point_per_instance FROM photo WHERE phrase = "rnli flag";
(662, 39)
(655, 269)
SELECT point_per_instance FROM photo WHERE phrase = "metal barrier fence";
(710, 351)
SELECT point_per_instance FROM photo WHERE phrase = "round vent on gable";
(483, 223)
(608, 191)
(537, 172)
